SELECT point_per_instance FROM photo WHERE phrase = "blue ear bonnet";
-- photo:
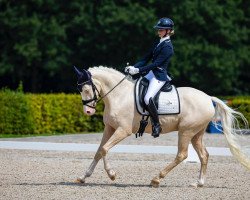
(82, 76)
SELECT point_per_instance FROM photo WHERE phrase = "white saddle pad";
(168, 104)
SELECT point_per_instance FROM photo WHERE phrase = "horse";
(121, 119)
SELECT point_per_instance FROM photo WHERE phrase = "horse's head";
(88, 91)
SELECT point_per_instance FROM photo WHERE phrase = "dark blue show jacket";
(160, 56)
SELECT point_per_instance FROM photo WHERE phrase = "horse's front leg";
(111, 173)
(108, 131)
(118, 136)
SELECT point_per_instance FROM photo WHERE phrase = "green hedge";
(23, 114)
(45, 113)
(15, 113)
(242, 105)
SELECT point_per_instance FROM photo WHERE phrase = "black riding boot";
(156, 127)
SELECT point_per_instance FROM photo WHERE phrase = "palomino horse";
(121, 119)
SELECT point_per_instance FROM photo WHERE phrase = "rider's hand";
(127, 68)
(132, 70)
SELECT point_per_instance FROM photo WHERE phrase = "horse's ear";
(83, 75)
(78, 72)
(86, 74)
(86, 68)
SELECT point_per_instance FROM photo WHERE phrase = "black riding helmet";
(164, 23)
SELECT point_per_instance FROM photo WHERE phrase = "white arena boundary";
(48, 146)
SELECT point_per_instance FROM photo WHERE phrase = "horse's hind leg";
(183, 141)
(203, 155)
(108, 131)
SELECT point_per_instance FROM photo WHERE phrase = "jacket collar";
(164, 38)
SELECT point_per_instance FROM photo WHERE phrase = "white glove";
(127, 68)
(132, 70)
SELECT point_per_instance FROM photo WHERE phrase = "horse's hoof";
(155, 183)
(196, 185)
(80, 180)
(112, 174)
(193, 185)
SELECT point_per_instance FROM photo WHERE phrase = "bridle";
(97, 95)
(94, 90)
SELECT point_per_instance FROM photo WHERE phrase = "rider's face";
(162, 32)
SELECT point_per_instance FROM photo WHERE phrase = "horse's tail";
(230, 124)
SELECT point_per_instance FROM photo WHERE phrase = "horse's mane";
(102, 69)
(106, 69)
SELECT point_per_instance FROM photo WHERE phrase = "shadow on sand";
(76, 184)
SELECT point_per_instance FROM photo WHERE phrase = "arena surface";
(40, 174)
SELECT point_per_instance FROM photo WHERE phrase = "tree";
(209, 45)
(43, 39)
(33, 42)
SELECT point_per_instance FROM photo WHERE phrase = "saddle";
(166, 100)
(143, 88)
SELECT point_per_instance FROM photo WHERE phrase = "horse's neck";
(108, 82)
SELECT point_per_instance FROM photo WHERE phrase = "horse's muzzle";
(88, 110)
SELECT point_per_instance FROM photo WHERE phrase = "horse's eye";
(86, 91)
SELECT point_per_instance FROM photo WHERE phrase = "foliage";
(15, 113)
(45, 113)
(241, 105)
(42, 39)
(27, 114)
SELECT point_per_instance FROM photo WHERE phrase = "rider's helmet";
(164, 23)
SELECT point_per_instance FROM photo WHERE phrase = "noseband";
(97, 96)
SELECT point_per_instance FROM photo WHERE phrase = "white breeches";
(154, 86)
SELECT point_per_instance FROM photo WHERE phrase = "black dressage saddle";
(143, 88)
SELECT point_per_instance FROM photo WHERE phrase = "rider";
(157, 70)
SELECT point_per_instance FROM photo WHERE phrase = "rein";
(94, 89)
(112, 88)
